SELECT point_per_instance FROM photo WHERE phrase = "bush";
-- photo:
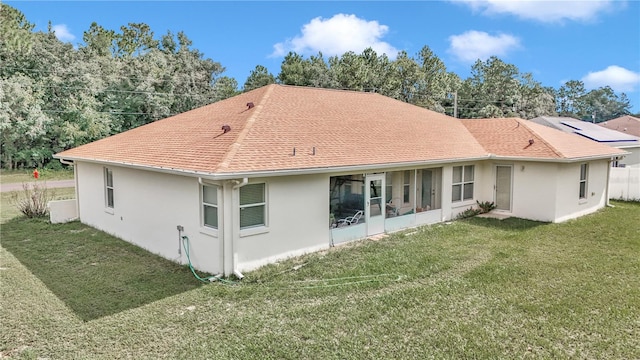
(470, 212)
(33, 200)
(486, 206)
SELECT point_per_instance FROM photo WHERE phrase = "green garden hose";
(208, 279)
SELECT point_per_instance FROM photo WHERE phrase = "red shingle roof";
(626, 124)
(511, 138)
(345, 128)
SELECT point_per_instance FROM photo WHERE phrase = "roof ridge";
(224, 164)
(553, 148)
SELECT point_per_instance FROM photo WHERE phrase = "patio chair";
(350, 220)
(393, 207)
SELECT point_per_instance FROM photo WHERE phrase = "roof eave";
(561, 160)
(333, 169)
(161, 169)
(272, 173)
(340, 169)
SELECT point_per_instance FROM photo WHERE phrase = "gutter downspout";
(606, 192)
(236, 225)
(75, 181)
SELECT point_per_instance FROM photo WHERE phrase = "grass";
(8, 210)
(476, 288)
(20, 176)
(94, 273)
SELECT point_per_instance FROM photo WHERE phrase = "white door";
(374, 206)
(428, 189)
(503, 187)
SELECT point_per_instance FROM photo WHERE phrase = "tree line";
(54, 96)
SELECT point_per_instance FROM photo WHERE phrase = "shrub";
(486, 206)
(470, 212)
(33, 200)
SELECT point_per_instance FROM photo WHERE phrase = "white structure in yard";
(282, 170)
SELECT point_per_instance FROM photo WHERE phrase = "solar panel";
(598, 133)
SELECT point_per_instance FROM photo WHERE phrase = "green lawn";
(20, 176)
(476, 288)
(8, 210)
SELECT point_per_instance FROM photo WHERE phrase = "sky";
(595, 41)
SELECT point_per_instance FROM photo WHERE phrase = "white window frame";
(262, 204)
(584, 176)
(108, 189)
(463, 182)
(206, 204)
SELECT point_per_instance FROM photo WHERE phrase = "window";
(462, 183)
(406, 186)
(584, 169)
(252, 206)
(210, 206)
(345, 200)
(108, 188)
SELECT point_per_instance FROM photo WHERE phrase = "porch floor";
(494, 215)
(378, 237)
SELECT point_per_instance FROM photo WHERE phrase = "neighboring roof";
(552, 121)
(518, 138)
(589, 130)
(292, 128)
(626, 124)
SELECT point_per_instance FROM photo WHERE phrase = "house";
(282, 170)
(626, 124)
(595, 132)
(624, 178)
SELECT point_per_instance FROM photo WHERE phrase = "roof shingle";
(511, 138)
(324, 128)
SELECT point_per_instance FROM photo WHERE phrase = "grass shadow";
(508, 224)
(93, 273)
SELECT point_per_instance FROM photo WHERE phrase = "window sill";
(209, 231)
(109, 211)
(254, 231)
(463, 203)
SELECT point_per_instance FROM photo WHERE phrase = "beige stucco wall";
(533, 190)
(540, 191)
(568, 205)
(298, 221)
(148, 206)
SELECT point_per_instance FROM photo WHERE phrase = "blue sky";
(597, 42)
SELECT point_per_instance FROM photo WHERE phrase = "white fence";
(624, 183)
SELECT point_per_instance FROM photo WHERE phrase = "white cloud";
(473, 45)
(337, 35)
(616, 77)
(544, 11)
(62, 33)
